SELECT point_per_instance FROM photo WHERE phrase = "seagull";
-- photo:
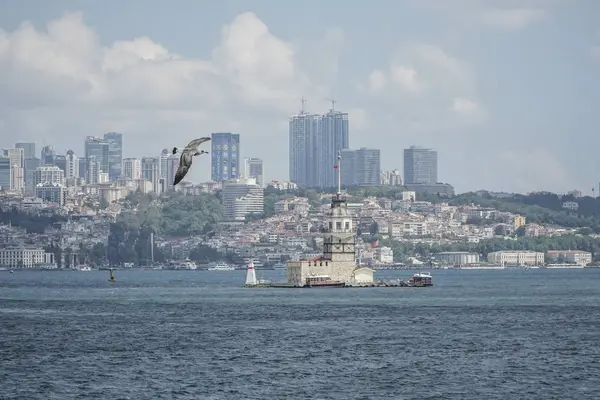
(187, 155)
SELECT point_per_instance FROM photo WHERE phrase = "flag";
(376, 243)
(335, 165)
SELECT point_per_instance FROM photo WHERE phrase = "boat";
(323, 281)
(221, 267)
(279, 266)
(112, 276)
(421, 279)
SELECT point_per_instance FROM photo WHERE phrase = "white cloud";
(61, 84)
(431, 88)
(512, 18)
(466, 107)
(406, 77)
(500, 14)
(376, 81)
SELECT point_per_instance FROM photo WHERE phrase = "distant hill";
(540, 207)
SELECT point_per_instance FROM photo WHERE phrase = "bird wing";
(197, 142)
(180, 174)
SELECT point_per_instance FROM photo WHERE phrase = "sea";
(482, 334)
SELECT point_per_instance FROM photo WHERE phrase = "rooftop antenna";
(303, 110)
(332, 101)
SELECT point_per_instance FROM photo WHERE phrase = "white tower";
(339, 241)
(251, 275)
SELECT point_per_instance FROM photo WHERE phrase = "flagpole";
(339, 168)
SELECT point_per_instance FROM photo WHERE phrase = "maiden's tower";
(339, 241)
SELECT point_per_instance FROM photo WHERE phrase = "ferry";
(221, 267)
(323, 281)
(421, 279)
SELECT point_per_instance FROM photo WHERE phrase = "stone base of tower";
(348, 272)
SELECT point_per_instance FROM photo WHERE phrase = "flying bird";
(187, 155)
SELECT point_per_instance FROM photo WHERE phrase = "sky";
(506, 91)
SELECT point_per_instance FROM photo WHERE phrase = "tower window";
(330, 225)
(338, 225)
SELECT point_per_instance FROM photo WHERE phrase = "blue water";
(524, 334)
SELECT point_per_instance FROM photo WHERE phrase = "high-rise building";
(164, 155)
(132, 168)
(97, 147)
(172, 165)
(28, 149)
(115, 154)
(151, 172)
(72, 165)
(314, 142)
(31, 164)
(48, 174)
(83, 168)
(61, 162)
(225, 156)
(15, 155)
(361, 167)
(254, 168)
(242, 198)
(5, 173)
(420, 166)
(93, 170)
(17, 178)
(47, 155)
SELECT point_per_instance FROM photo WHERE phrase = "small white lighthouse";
(251, 275)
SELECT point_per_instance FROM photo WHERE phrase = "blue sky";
(506, 91)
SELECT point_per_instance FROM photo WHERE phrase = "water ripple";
(173, 335)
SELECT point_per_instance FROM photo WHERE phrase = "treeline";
(403, 250)
(32, 223)
(176, 215)
(542, 207)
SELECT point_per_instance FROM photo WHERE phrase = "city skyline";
(464, 80)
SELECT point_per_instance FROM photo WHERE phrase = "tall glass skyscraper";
(314, 142)
(225, 156)
(420, 166)
(115, 154)
(28, 149)
(97, 147)
(361, 167)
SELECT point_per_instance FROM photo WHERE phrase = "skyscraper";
(115, 154)
(164, 155)
(28, 149)
(92, 170)
(5, 173)
(47, 155)
(16, 156)
(172, 165)
(314, 142)
(225, 156)
(61, 162)
(253, 168)
(31, 165)
(361, 167)
(420, 166)
(97, 147)
(151, 171)
(72, 165)
(132, 168)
